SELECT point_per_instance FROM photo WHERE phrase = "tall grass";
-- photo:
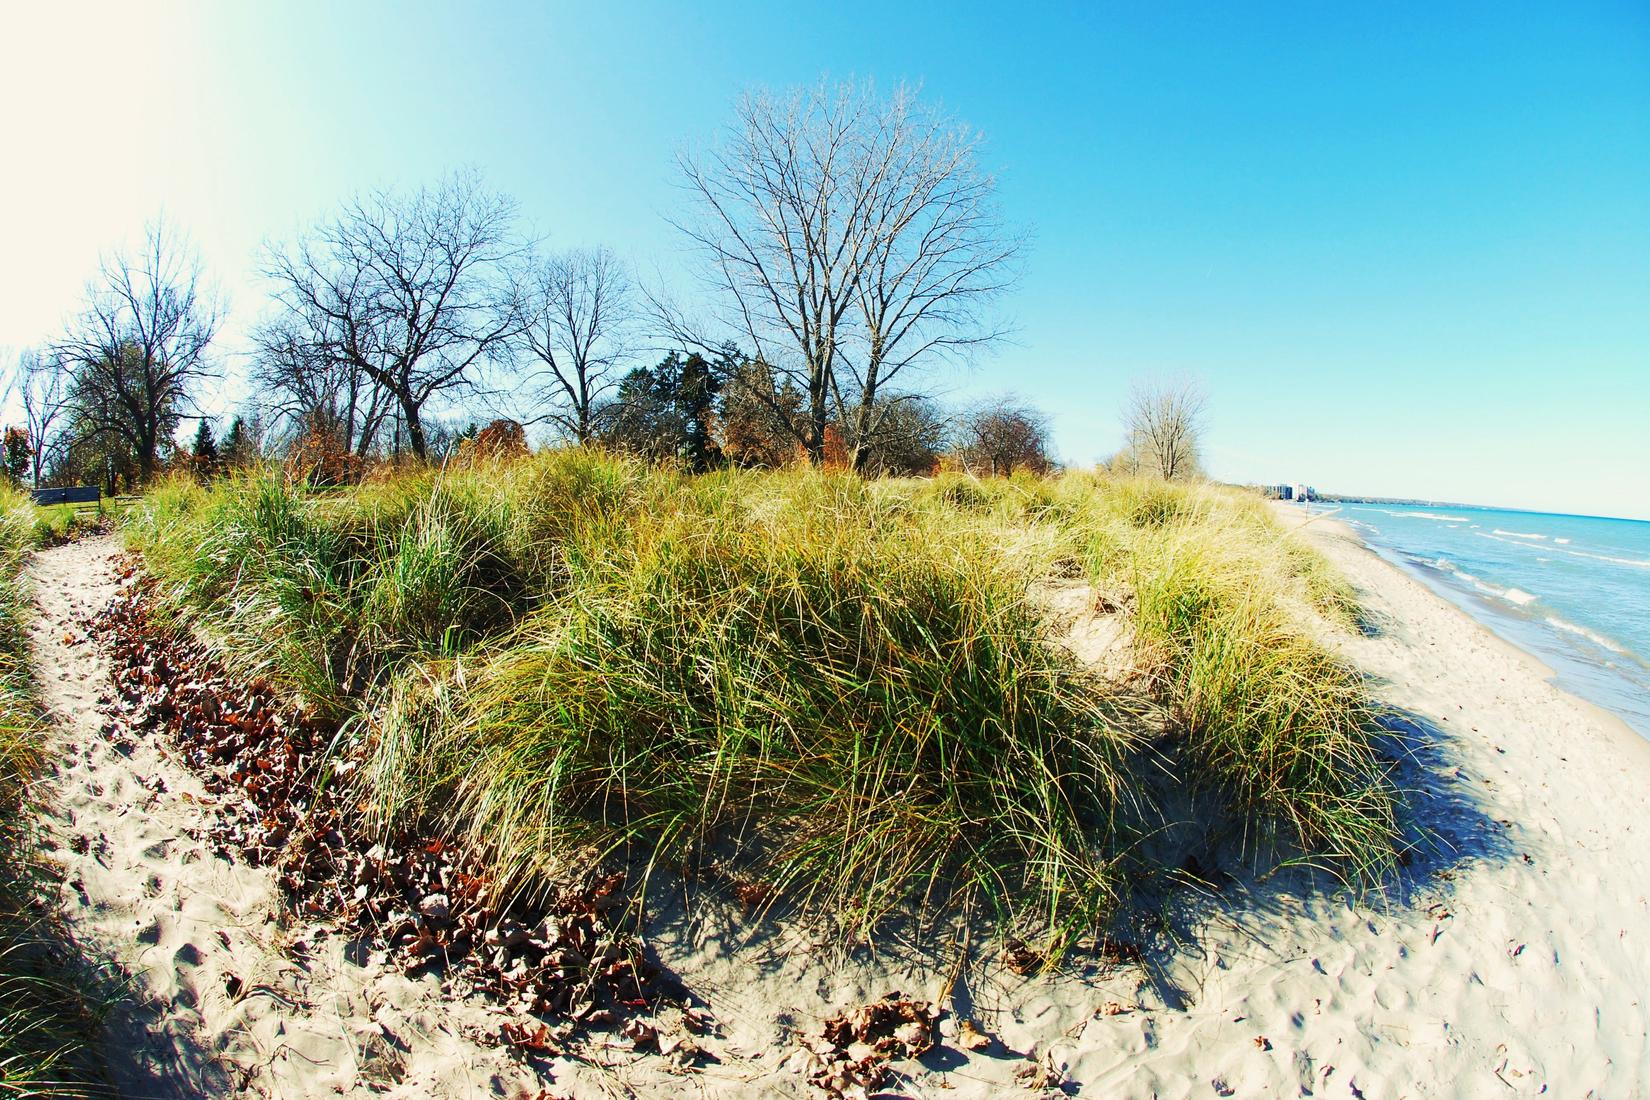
(1227, 609)
(45, 1009)
(845, 689)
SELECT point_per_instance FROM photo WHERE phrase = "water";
(1573, 590)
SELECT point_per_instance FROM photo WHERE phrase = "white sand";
(149, 892)
(1514, 959)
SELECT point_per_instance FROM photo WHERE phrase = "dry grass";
(842, 688)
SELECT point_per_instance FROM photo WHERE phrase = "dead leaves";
(418, 900)
(1040, 1073)
(1022, 959)
(970, 1037)
(526, 1039)
(857, 1045)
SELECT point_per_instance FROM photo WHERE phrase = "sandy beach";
(1511, 957)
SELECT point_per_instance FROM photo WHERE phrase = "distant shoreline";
(1344, 498)
(1490, 624)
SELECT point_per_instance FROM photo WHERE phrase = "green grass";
(844, 689)
(55, 523)
(46, 1005)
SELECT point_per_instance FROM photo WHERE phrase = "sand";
(1512, 957)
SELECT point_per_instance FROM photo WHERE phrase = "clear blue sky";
(1406, 248)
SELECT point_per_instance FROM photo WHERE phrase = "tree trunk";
(415, 428)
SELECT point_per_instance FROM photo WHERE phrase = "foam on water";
(1573, 590)
(1581, 631)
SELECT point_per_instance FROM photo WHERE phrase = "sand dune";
(1512, 957)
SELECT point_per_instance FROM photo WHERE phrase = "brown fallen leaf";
(1039, 1073)
(1021, 959)
(970, 1037)
(519, 1037)
(641, 1033)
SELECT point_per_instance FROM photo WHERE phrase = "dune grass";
(845, 690)
(46, 1007)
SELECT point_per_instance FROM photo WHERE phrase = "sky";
(1405, 248)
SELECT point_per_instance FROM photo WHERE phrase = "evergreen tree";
(697, 385)
(666, 411)
(205, 450)
(17, 453)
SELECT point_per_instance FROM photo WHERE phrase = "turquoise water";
(1573, 590)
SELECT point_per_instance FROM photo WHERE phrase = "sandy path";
(229, 997)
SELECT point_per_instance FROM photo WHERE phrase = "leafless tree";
(578, 315)
(408, 289)
(936, 253)
(1163, 420)
(848, 238)
(42, 386)
(139, 349)
(1002, 436)
(910, 434)
(308, 389)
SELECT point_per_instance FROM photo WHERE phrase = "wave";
(1636, 563)
(1515, 596)
(1596, 639)
(1561, 541)
(1425, 515)
(1518, 534)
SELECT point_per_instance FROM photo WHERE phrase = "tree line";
(846, 244)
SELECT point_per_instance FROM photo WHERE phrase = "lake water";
(1572, 590)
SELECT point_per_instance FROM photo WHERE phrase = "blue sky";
(1406, 248)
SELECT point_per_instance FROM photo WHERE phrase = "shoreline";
(1611, 690)
(1294, 519)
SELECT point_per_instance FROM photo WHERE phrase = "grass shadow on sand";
(1445, 830)
(1201, 876)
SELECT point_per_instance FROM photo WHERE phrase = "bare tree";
(43, 388)
(848, 237)
(1002, 436)
(577, 319)
(911, 433)
(1163, 420)
(409, 290)
(303, 384)
(139, 348)
(936, 253)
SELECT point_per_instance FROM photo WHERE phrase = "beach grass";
(844, 690)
